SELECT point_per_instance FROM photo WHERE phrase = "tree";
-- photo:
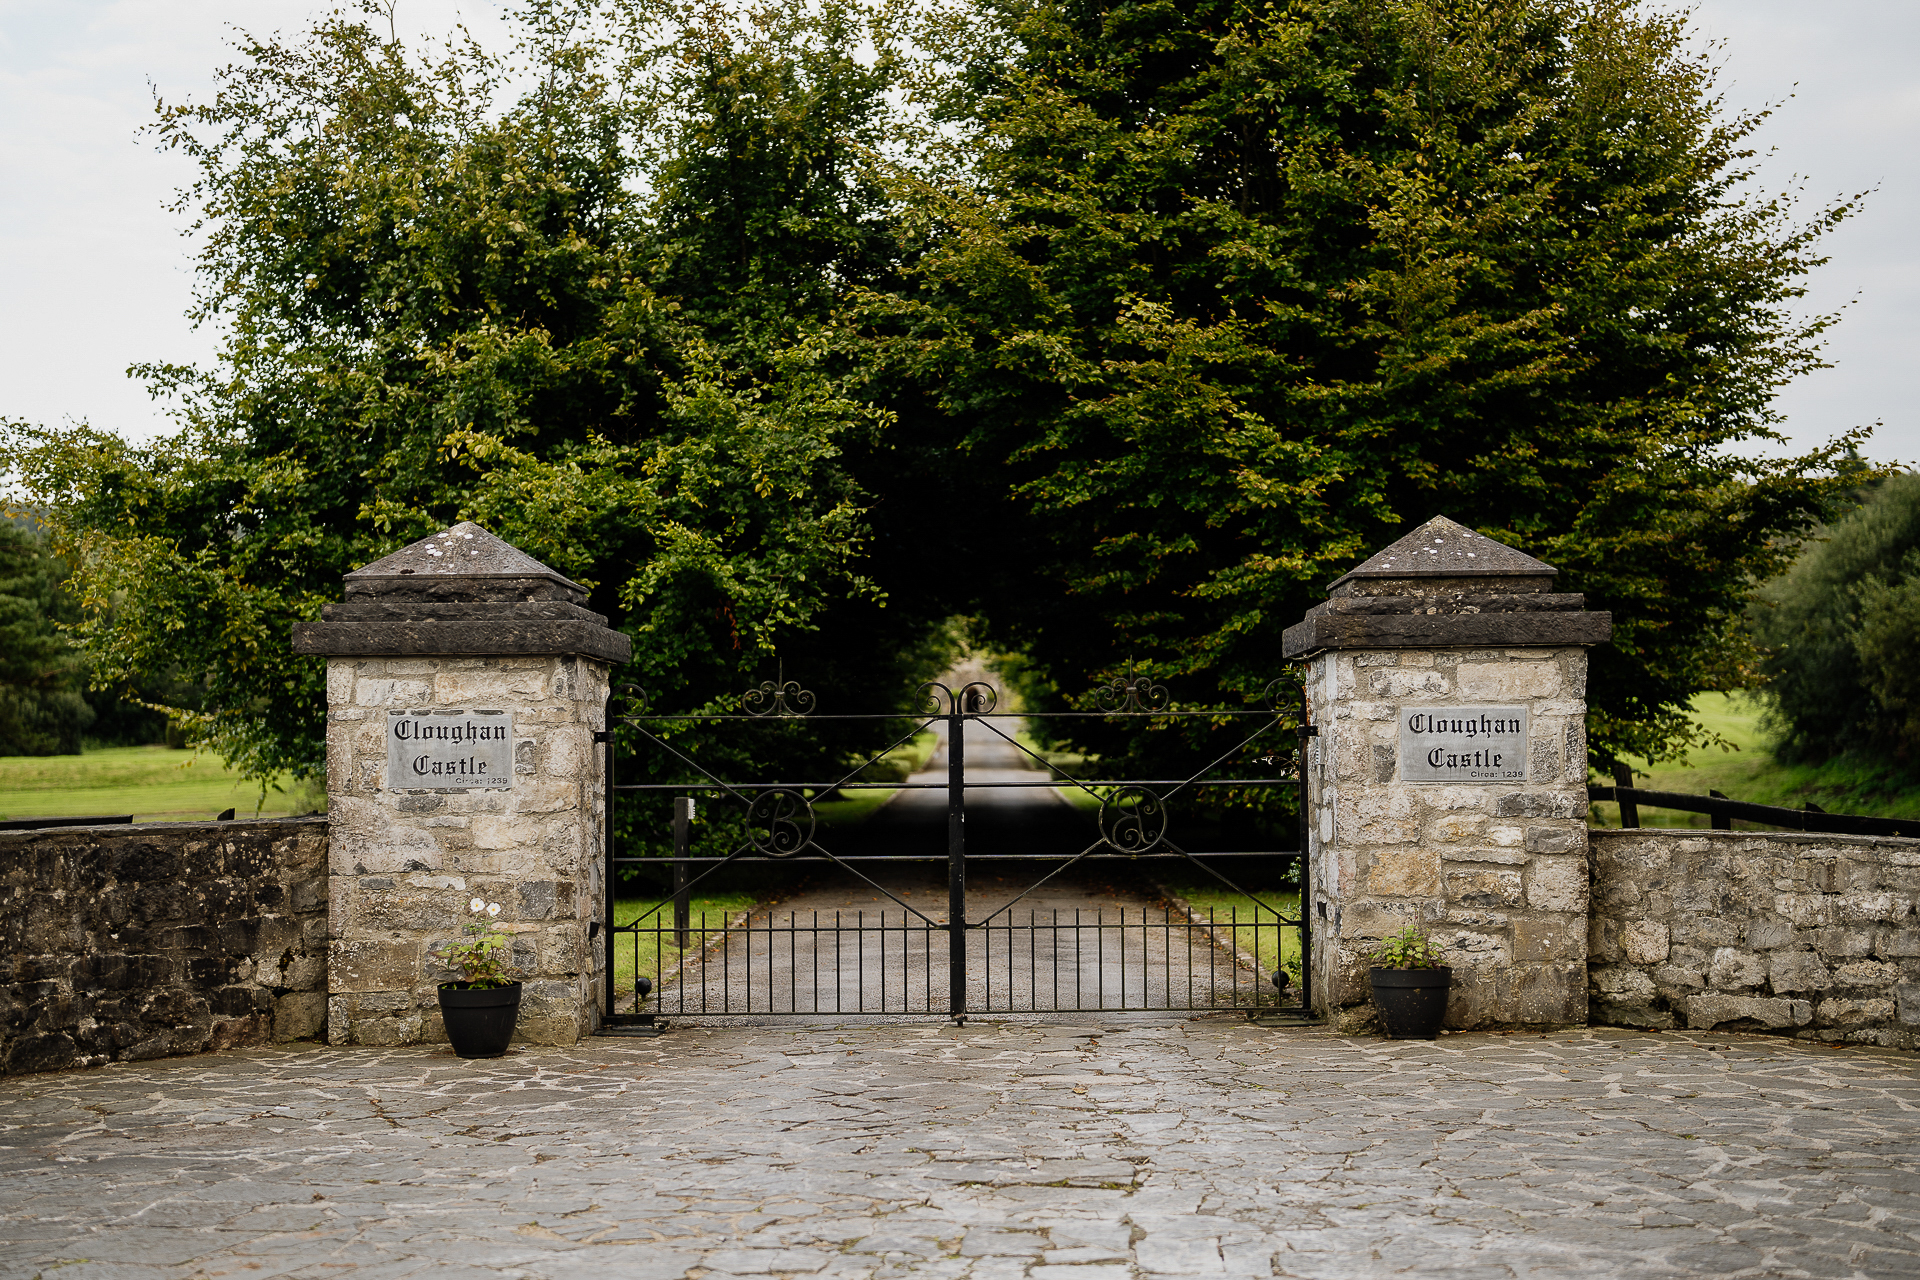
(42, 709)
(1841, 631)
(1238, 293)
(440, 302)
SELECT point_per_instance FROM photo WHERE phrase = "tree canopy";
(1841, 630)
(1238, 293)
(1123, 328)
(442, 302)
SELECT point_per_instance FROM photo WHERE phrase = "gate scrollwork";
(1131, 694)
(1133, 820)
(780, 822)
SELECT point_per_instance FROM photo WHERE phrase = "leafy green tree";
(1841, 630)
(42, 709)
(440, 301)
(1237, 293)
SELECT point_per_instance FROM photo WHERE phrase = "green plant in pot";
(481, 1006)
(1409, 985)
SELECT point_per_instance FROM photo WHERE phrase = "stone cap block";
(1444, 586)
(461, 593)
(1503, 630)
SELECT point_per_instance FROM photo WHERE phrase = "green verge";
(154, 784)
(1255, 925)
(651, 953)
(1877, 788)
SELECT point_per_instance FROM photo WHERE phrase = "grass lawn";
(1255, 927)
(650, 953)
(1751, 773)
(154, 784)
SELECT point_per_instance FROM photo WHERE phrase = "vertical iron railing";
(733, 968)
(956, 861)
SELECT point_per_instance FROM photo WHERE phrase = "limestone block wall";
(1497, 873)
(122, 943)
(405, 862)
(1811, 935)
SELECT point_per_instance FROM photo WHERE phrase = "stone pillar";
(465, 684)
(1448, 781)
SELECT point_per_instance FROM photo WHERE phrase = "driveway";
(1094, 1150)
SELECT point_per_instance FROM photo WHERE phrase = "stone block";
(1548, 839)
(1645, 941)
(1804, 910)
(1554, 938)
(300, 1015)
(1620, 982)
(1869, 908)
(362, 965)
(1499, 680)
(1483, 887)
(1540, 804)
(1557, 884)
(1907, 998)
(1897, 942)
(1712, 931)
(1398, 682)
(1732, 968)
(1843, 942)
(1493, 855)
(1473, 949)
(1548, 993)
(1404, 873)
(1390, 817)
(1705, 1012)
(1452, 828)
(1477, 998)
(373, 1018)
(564, 949)
(1764, 935)
(1366, 919)
(1840, 1011)
(1866, 973)
(1789, 971)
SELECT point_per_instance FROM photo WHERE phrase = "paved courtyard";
(1088, 1151)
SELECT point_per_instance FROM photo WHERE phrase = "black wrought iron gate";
(1250, 953)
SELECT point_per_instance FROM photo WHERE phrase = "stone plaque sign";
(449, 750)
(1463, 744)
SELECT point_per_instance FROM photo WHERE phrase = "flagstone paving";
(1090, 1151)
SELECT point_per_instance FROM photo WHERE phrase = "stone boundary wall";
(1801, 933)
(120, 943)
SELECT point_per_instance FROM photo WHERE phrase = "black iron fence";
(1011, 955)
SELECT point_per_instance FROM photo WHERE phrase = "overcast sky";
(97, 275)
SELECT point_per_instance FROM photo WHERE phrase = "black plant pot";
(1411, 1002)
(480, 1019)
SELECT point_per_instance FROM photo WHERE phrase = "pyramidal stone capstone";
(1444, 585)
(462, 591)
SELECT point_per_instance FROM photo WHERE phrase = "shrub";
(1841, 630)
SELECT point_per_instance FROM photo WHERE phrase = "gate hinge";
(1309, 730)
(601, 735)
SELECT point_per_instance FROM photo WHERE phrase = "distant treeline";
(46, 708)
(1840, 631)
